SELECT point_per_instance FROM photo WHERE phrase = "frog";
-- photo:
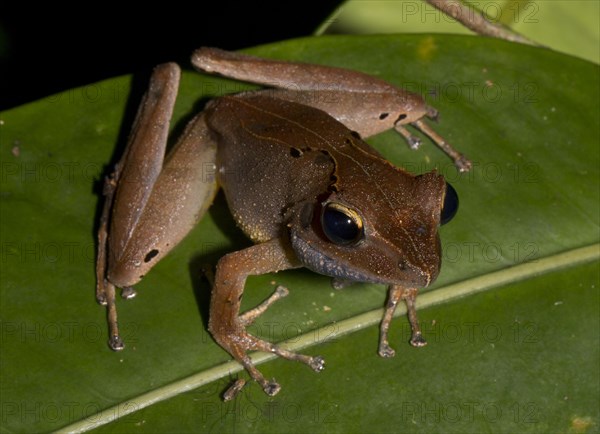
(298, 179)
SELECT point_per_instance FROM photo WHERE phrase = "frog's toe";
(386, 351)
(234, 389)
(116, 343)
(272, 388)
(317, 363)
(418, 340)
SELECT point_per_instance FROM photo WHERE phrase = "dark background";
(49, 49)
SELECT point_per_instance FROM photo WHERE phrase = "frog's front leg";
(229, 327)
(395, 294)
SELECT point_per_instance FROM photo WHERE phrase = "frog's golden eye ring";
(342, 225)
(450, 204)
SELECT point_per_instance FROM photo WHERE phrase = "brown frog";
(299, 181)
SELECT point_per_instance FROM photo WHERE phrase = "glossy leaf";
(568, 26)
(517, 352)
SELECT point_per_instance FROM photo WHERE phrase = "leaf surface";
(516, 352)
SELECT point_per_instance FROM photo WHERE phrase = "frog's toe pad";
(234, 389)
(116, 343)
(317, 363)
(128, 292)
(101, 299)
(386, 351)
(418, 341)
(272, 388)
(282, 291)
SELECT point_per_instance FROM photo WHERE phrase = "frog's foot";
(128, 292)
(413, 141)
(417, 340)
(395, 294)
(385, 350)
(432, 113)
(462, 163)
(233, 390)
(105, 295)
(238, 342)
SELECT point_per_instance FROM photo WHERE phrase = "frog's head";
(376, 232)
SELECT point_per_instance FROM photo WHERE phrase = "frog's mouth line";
(323, 264)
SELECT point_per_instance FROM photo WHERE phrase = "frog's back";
(270, 158)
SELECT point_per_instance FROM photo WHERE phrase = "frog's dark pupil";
(450, 204)
(339, 227)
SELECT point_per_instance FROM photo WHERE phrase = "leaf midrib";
(439, 296)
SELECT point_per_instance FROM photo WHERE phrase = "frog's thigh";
(129, 187)
(285, 74)
(180, 196)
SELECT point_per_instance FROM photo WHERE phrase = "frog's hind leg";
(147, 146)
(363, 103)
(152, 201)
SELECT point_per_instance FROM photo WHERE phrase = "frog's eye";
(342, 225)
(450, 204)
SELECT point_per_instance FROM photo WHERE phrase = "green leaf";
(511, 322)
(569, 26)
